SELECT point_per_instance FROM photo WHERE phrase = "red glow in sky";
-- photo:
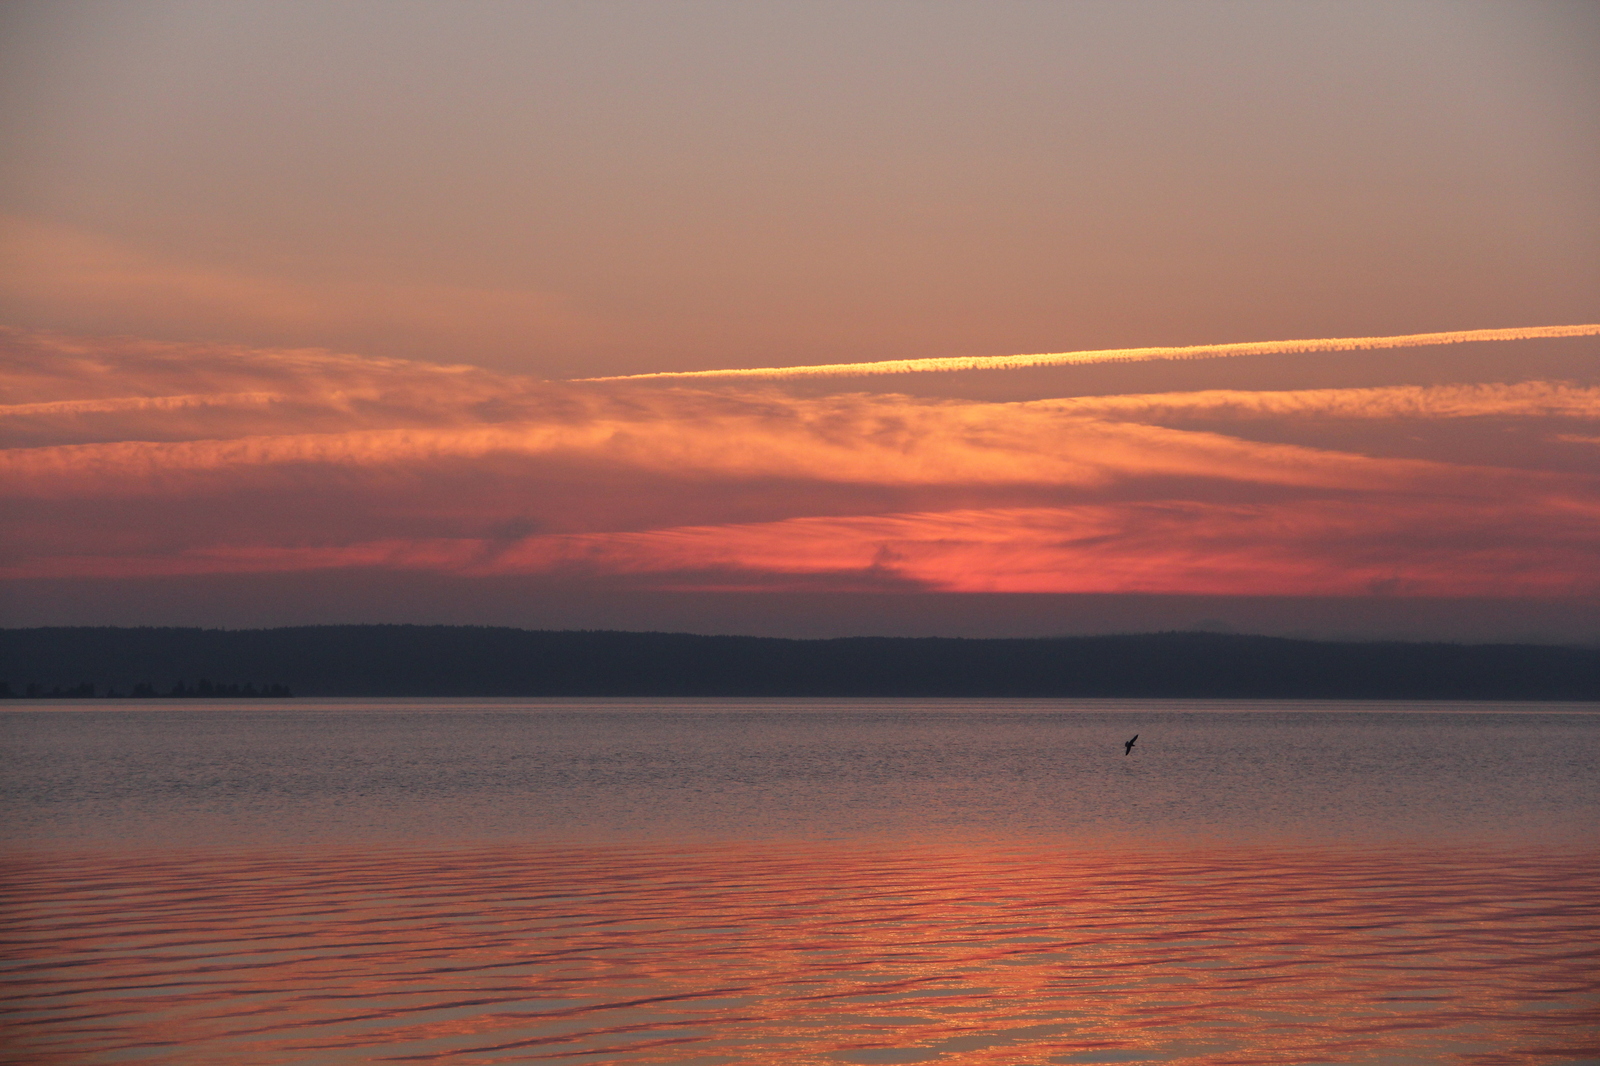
(402, 314)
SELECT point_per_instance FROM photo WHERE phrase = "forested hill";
(481, 661)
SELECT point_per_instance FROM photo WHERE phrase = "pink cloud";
(131, 458)
(1312, 547)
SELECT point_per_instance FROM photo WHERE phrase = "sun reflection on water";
(803, 953)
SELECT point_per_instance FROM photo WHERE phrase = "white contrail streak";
(1128, 355)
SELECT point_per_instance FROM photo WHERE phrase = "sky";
(403, 312)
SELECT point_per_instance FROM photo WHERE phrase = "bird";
(1127, 749)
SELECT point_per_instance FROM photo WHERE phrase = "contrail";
(1127, 355)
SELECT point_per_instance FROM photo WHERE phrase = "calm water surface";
(810, 882)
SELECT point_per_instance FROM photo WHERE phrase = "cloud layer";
(135, 459)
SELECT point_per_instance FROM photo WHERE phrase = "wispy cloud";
(1128, 355)
(130, 458)
(122, 404)
(849, 439)
(1299, 547)
(1527, 399)
(1310, 547)
(82, 277)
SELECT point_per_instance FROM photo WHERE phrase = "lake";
(800, 881)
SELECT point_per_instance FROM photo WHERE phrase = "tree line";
(204, 689)
(422, 661)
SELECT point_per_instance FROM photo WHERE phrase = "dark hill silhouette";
(403, 660)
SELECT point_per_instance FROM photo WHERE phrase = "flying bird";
(1127, 749)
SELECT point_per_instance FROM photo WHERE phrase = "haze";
(245, 240)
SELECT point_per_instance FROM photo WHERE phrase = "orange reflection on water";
(792, 953)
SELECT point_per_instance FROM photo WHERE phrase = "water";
(810, 882)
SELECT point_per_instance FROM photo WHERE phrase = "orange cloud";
(70, 390)
(122, 404)
(132, 458)
(1528, 399)
(854, 439)
(430, 414)
(52, 367)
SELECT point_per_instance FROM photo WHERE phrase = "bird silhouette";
(1127, 749)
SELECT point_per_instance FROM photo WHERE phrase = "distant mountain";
(402, 660)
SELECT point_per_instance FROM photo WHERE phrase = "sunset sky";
(401, 312)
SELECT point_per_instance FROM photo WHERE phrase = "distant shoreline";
(404, 660)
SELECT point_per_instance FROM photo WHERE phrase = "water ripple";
(801, 954)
